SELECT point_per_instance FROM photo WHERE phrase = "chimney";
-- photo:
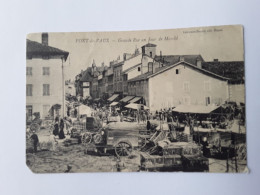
(198, 63)
(45, 39)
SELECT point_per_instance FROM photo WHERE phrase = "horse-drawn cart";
(122, 137)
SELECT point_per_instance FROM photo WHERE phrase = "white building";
(44, 78)
(180, 83)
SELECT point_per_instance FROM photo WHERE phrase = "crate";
(161, 163)
(195, 163)
(181, 148)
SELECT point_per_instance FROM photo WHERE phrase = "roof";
(126, 99)
(136, 106)
(118, 64)
(149, 45)
(235, 70)
(33, 47)
(173, 59)
(131, 68)
(86, 77)
(165, 68)
(200, 109)
(141, 77)
(135, 99)
(113, 97)
(113, 103)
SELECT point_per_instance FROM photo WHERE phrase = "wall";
(118, 79)
(237, 93)
(169, 89)
(132, 62)
(37, 100)
(145, 61)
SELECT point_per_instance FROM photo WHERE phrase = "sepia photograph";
(136, 101)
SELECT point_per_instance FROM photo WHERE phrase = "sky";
(224, 43)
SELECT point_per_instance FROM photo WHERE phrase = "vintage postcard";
(136, 101)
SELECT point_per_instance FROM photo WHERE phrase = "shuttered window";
(29, 89)
(46, 89)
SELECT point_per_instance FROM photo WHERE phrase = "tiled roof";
(165, 68)
(141, 77)
(35, 48)
(203, 71)
(86, 77)
(173, 59)
(234, 70)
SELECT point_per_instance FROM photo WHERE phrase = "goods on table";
(160, 163)
(179, 148)
(195, 163)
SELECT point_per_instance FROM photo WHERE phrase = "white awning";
(113, 103)
(113, 97)
(83, 109)
(135, 99)
(126, 99)
(136, 106)
(200, 109)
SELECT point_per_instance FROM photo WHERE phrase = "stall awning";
(113, 97)
(135, 99)
(136, 106)
(199, 109)
(113, 103)
(126, 99)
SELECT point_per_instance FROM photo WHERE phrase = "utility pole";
(63, 93)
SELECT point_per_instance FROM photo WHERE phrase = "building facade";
(181, 83)
(45, 88)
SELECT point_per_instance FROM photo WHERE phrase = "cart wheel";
(34, 127)
(97, 138)
(123, 148)
(86, 138)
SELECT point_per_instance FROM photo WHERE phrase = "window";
(29, 111)
(139, 69)
(46, 89)
(29, 90)
(186, 86)
(177, 71)
(151, 54)
(207, 101)
(45, 70)
(29, 71)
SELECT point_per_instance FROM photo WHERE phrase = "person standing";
(75, 113)
(56, 127)
(35, 139)
(61, 133)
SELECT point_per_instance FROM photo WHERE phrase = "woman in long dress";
(56, 127)
(61, 133)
